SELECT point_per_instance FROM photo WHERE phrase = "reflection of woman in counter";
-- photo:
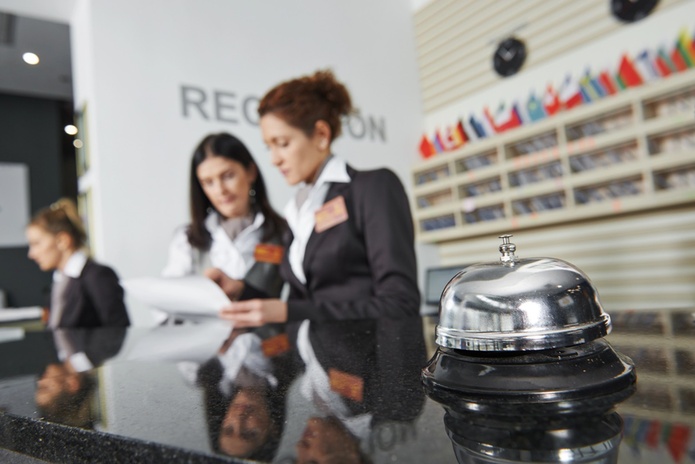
(84, 293)
(63, 395)
(244, 388)
(65, 389)
(233, 227)
(351, 252)
(327, 440)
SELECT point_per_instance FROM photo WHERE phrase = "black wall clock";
(632, 10)
(509, 57)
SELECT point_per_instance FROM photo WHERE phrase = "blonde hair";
(59, 217)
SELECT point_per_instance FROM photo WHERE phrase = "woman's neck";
(320, 169)
(65, 257)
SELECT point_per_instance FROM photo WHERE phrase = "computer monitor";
(436, 279)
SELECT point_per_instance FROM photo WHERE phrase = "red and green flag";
(627, 74)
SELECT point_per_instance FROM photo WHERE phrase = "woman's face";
(247, 425)
(297, 156)
(49, 251)
(226, 183)
(323, 440)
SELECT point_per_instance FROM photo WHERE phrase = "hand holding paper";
(231, 287)
(188, 295)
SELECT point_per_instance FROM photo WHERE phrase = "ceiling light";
(77, 143)
(31, 58)
(70, 129)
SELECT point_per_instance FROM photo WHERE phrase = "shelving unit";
(661, 345)
(629, 152)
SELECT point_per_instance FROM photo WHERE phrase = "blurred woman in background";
(84, 293)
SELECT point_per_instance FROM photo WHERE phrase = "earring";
(252, 196)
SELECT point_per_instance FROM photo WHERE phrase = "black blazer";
(94, 299)
(364, 267)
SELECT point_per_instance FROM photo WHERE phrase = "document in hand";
(188, 295)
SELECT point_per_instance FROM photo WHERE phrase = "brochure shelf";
(629, 152)
(661, 345)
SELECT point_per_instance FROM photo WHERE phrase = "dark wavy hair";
(230, 147)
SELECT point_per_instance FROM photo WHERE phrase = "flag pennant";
(653, 434)
(644, 64)
(438, 145)
(513, 120)
(535, 108)
(685, 47)
(458, 135)
(677, 60)
(426, 147)
(477, 127)
(628, 74)
(551, 101)
(453, 141)
(469, 130)
(587, 91)
(488, 129)
(607, 83)
(598, 87)
(491, 119)
(570, 94)
(677, 441)
(522, 112)
(663, 63)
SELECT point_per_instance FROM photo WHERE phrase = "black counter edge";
(58, 443)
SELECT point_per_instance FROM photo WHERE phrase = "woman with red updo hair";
(350, 253)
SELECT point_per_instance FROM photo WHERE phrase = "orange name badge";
(346, 385)
(275, 346)
(331, 214)
(268, 253)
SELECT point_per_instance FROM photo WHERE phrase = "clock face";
(509, 57)
(632, 10)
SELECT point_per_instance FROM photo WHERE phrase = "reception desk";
(314, 392)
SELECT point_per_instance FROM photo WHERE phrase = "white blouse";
(233, 257)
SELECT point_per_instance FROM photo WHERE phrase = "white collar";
(73, 267)
(212, 222)
(334, 171)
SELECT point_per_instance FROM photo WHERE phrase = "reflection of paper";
(193, 342)
(20, 314)
(11, 334)
(193, 295)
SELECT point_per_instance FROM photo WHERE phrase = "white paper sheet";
(189, 295)
(20, 314)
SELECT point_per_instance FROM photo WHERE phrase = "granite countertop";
(309, 392)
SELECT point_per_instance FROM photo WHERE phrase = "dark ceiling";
(52, 77)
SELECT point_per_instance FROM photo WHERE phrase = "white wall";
(130, 59)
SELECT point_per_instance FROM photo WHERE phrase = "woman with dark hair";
(84, 293)
(234, 235)
(244, 389)
(351, 254)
